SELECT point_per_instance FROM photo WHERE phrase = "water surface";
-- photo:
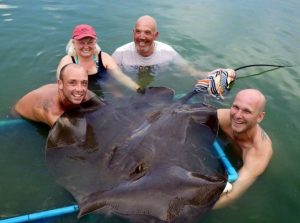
(209, 34)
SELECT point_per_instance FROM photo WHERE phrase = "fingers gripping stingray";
(145, 158)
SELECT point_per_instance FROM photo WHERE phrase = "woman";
(83, 49)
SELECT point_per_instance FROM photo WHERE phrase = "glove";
(217, 82)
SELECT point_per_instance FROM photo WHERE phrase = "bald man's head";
(147, 20)
(254, 96)
(70, 67)
(144, 35)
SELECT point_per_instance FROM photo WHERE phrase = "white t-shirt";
(128, 58)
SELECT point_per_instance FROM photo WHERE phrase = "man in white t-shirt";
(130, 57)
(145, 51)
(145, 56)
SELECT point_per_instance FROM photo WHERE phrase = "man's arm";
(255, 163)
(31, 107)
(244, 181)
(255, 160)
(190, 69)
(224, 119)
(187, 67)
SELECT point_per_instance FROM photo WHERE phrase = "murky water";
(209, 34)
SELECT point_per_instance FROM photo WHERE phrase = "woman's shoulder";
(104, 54)
(66, 59)
(107, 60)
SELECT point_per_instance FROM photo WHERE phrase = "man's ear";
(261, 117)
(60, 84)
(156, 35)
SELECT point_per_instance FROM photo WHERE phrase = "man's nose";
(238, 114)
(79, 87)
(142, 35)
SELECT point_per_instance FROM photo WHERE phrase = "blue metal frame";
(42, 214)
(9, 122)
(231, 172)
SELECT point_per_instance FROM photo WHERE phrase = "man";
(145, 52)
(47, 103)
(241, 124)
(145, 56)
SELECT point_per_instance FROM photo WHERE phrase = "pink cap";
(82, 31)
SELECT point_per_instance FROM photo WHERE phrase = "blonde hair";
(70, 50)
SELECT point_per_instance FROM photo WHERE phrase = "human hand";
(217, 82)
(141, 90)
(229, 72)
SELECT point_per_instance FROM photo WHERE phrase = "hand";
(141, 90)
(217, 82)
(230, 73)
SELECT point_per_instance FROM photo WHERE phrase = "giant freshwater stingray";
(147, 158)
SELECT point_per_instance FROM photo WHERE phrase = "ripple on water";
(4, 6)
(209, 34)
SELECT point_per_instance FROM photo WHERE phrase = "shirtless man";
(47, 103)
(241, 124)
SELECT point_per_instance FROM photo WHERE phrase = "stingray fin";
(155, 95)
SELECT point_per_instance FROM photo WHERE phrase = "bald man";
(145, 53)
(47, 103)
(241, 125)
(145, 56)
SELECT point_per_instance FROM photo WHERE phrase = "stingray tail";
(261, 65)
(188, 96)
(220, 81)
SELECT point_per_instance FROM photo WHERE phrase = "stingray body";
(148, 158)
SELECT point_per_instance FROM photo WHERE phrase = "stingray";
(147, 158)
